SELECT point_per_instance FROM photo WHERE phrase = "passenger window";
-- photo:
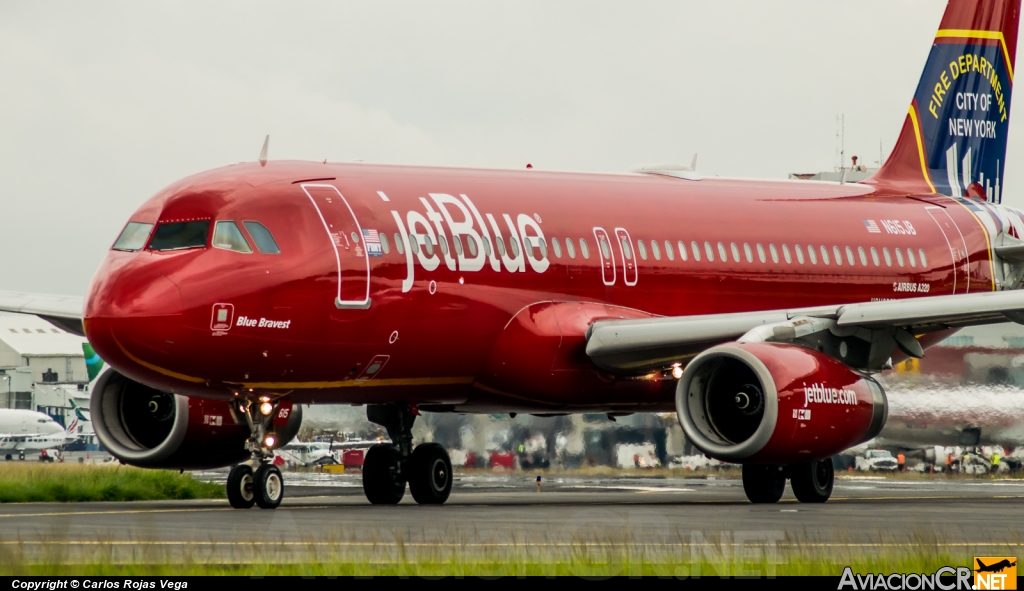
(626, 250)
(824, 255)
(227, 236)
(500, 245)
(133, 237)
(874, 256)
(709, 252)
(429, 243)
(383, 243)
(443, 243)
(785, 255)
(746, 251)
(606, 250)
(837, 256)
(641, 249)
(543, 247)
(696, 251)
(735, 252)
(413, 244)
(570, 248)
(555, 246)
(721, 253)
(888, 259)
(584, 248)
(924, 260)
(775, 254)
(910, 257)
(682, 250)
(812, 255)
(457, 244)
(863, 256)
(899, 257)
(760, 253)
(849, 256)
(655, 250)
(799, 253)
(487, 246)
(399, 243)
(669, 252)
(471, 245)
(514, 244)
(180, 235)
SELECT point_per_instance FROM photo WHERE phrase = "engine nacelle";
(769, 403)
(145, 427)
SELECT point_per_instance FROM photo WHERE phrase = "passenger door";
(629, 271)
(346, 238)
(957, 249)
(604, 253)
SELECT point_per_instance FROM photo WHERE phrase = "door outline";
(606, 264)
(356, 304)
(954, 255)
(629, 268)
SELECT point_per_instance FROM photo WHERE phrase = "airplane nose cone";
(133, 318)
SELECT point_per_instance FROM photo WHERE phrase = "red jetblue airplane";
(236, 294)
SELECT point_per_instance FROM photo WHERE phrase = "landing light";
(266, 408)
(677, 371)
(269, 441)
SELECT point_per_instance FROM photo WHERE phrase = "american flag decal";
(371, 238)
(872, 227)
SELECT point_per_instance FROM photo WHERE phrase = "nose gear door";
(346, 236)
(604, 252)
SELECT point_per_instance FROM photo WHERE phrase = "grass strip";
(74, 483)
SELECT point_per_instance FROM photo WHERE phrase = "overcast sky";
(103, 104)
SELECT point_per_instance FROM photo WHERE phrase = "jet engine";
(769, 403)
(142, 426)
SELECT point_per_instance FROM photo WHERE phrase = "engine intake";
(776, 404)
(142, 426)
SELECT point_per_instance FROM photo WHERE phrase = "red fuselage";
(355, 311)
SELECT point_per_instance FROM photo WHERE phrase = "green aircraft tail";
(93, 363)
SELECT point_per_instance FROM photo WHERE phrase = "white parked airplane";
(28, 430)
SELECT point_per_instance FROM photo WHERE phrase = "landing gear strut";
(387, 467)
(811, 482)
(263, 486)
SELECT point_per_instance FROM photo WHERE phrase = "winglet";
(953, 140)
(263, 152)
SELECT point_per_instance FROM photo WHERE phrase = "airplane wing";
(64, 312)
(635, 346)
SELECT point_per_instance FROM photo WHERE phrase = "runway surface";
(326, 517)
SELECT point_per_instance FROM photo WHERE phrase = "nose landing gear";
(387, 467)
(263, 486)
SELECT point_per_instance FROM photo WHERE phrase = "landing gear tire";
(8, 457)
(21, 457)
(382, 475)
(812, 482)
(268, 486)
(430, 474)
(763, 483)
(241, 487)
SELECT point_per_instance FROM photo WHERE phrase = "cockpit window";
(226, 235)
(133, 237)
(262, 237)
(180, 235)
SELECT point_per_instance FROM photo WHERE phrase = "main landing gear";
(263, 486)
(811, 482)
(387, 467)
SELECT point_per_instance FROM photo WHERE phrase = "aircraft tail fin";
(953, 140)
(93, 363)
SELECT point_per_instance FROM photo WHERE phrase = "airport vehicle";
(876, 460)
(27, 430)
(758, 310)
